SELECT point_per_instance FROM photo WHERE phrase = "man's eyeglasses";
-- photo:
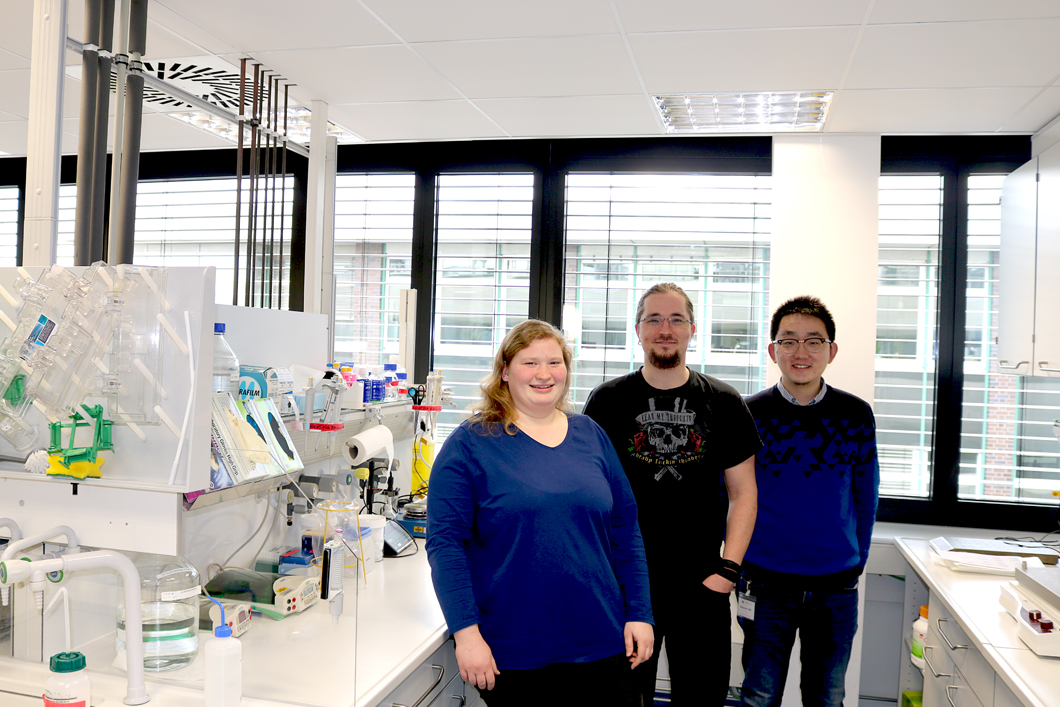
(675, 322)
(812, 345)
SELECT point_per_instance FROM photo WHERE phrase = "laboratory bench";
(975, 658)
(389, 646)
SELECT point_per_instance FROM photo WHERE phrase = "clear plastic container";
(68, 685)
(225, 363)
(169, 600)
(223, 681)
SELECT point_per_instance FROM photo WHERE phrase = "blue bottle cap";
(218, 328)
(223, 631)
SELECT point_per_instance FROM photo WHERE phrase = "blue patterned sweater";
(818, 484)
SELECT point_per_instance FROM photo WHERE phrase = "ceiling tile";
(160, 132)
(355, 75)
(682, 15)
(745, 60)
(574, 116)
(14, 94)
(891, 11)
(13, 138)
(925, 111)
(421, 120)
(429, 20)
(253, 26)
(1041, 111)
(513, 68)
(9, 60)
(16, 31)
(958, 55)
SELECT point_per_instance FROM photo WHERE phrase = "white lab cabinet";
(1028, 338)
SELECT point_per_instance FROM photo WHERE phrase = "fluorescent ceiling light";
(770, 112)
(298, 122)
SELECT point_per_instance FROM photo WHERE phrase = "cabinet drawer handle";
(1001, 364)
(931, 667)
(461, 703)
(1043, 367)
(938, 625)
(436, 683)
(949, 697)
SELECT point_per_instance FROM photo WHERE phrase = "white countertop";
(973, 600)
(391, 626)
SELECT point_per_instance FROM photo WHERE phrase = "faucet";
(16, 546)
(15, 571)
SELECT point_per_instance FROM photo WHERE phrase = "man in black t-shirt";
(681, 435)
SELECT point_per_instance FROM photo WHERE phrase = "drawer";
(962, 694)
(979, 676)
(938, 672)
(426, 681)
(947, 634)
(452, 695)
(1003, 694)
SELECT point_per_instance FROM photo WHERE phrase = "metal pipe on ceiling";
(86, 136)
(100, 125)
(124, 231)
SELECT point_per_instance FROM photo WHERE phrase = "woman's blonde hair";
(496, 408)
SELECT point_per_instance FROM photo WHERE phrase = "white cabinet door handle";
(1043, 367)
(441, 673)
(949, 697)
(1001, 364)
(938, 625)
(931, 667)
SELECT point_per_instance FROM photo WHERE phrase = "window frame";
(955, 158)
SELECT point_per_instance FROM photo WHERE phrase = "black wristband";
(727, 569)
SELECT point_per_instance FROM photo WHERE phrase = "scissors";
(417, 393)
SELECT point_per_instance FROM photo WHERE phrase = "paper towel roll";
(361, 447)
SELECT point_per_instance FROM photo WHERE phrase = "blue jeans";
(826, 621)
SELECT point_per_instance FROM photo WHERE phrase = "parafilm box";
(264, 382)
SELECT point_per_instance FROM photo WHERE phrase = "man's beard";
(664, 362)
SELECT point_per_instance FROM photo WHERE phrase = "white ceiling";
(462, 69)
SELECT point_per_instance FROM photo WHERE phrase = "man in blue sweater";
(818, 484)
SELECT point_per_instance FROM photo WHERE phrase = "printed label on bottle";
(63, 701)
(181, 594)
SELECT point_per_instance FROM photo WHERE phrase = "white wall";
(825, 242)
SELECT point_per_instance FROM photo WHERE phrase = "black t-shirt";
(674, 446)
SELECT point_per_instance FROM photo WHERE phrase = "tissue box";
(264, 382)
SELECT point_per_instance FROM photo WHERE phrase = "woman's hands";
(475, 659)
(640, 641)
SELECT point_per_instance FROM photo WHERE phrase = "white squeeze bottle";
(68, 685)
(920, 627)
(223, 658)
(225, 363)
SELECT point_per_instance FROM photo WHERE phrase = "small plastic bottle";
(225, 363)
(390, 380)
(920, 627)
(362, 375)
(223, 658)
(68, 685)
(378, 384)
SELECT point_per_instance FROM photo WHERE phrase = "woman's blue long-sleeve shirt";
(538, 545)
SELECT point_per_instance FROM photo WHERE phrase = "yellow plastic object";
(912, 699)
(362, 473)
(422, 460)
(77, 470)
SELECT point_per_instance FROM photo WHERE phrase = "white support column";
(826, 243)
(47, 72)
(316, 210)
